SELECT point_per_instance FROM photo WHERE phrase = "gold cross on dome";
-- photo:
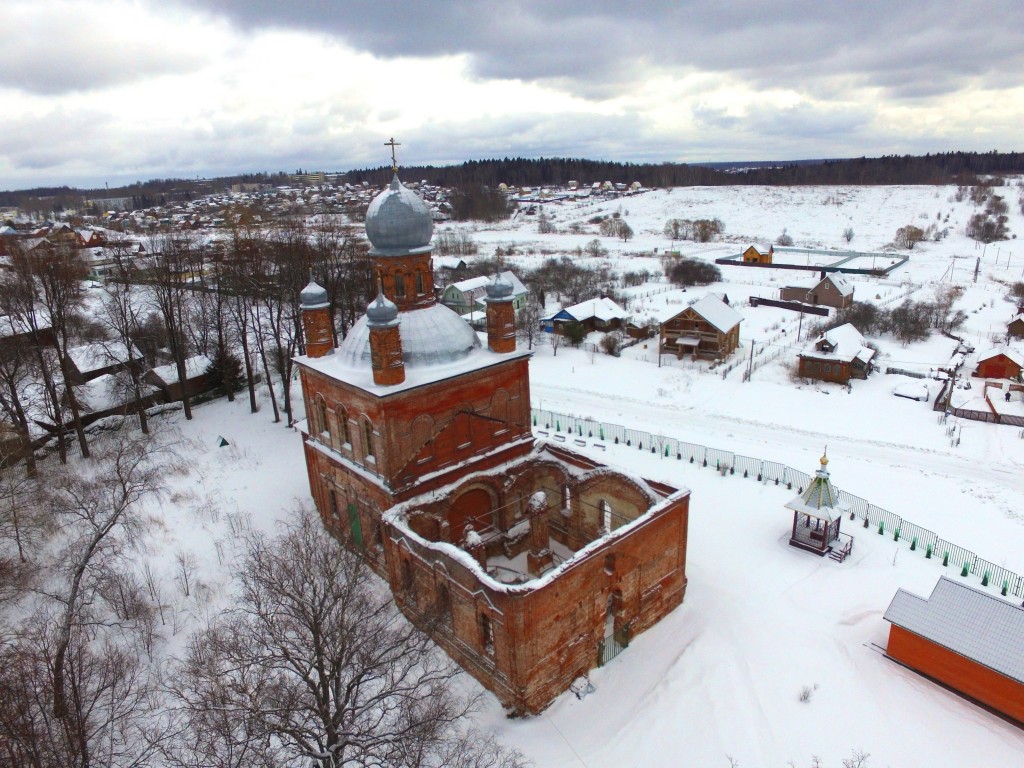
(394, 161)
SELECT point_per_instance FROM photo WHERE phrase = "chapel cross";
(394, 161)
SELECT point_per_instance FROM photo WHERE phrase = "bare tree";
(58, 273)
(315, 656)
(121, 313)
(171, 266)
(528, 322)
(555, 339)
(19, 292)
(79, 687)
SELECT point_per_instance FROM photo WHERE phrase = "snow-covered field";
(722, 675)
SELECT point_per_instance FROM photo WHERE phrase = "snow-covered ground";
(722, 675)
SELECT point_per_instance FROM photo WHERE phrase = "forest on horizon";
(941, 168)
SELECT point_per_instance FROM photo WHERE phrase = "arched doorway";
(474, 507)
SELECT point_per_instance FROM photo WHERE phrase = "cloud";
(60, 47)
(600, 48)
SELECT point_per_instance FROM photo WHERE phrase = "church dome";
(398, 220)
(499, 289)
(313, 296)
(430, 336)
(382, 311)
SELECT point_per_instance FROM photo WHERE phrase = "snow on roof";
(717, 312)
(194, 367)
(843, 285)
(105, 392)
(474, 285)
(1010, 354)
(846, 342)
(967, 621)
(603, 309)
(92, 357)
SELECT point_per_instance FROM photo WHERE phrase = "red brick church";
(531, 563)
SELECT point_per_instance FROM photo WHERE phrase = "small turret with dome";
(501, 316)
(316, 319)
(381, 312)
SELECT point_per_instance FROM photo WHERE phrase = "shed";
(964, 638)
(999, 364)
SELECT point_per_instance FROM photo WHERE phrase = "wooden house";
(594, 315)
(965, 639)
(709, 328)
(90, 361)
(837, 355)
(467, 296)
(999, 364)
(165, 378)
(755, 256)
(829, 291)
(1015, 328)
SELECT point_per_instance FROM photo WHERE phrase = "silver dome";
(381, 311)
(398, 220)
(313, 296)
(434, 335)
(499, 289)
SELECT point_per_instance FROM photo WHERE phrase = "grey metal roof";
(430, 336)
(967, 621)
(398, 220)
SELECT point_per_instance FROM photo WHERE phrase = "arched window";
(399, 285)
(342, 414)
(419, 283)
(368, 439)
(486, 634)
(444, 605)
(321, 416)
(408, 581)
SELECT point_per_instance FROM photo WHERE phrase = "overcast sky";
(117, 91)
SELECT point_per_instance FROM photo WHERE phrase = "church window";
(321, 415)
(399, 285)
(606, 516)
(368, 439)
(419, 283)
(444, 605)
(486, 634)
(408, 581)
(346, 438)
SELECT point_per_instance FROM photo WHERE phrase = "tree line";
(236, 304)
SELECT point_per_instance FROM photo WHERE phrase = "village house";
(999, 364)
(530, 563)
(709, 328)
(165, 378)
(764, 255)
(829, 290)
(90, 361)
(965, 639)
(468, 296)
(601, 314)
(837, 355)
(1015, 328)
